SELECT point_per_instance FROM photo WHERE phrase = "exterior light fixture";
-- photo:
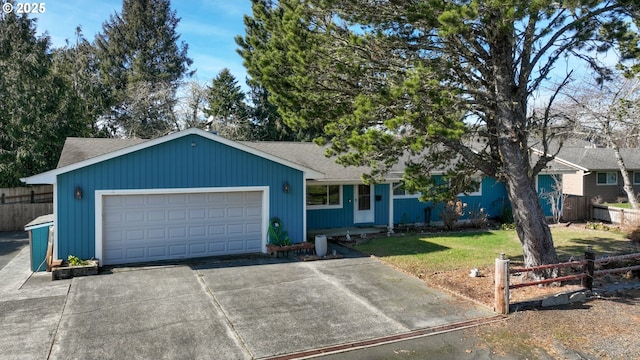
(285, 187)
(77, 193)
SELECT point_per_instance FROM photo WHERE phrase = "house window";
(636, 177)
(400, 192)
(324, 196)
(607, 178)
(477, 181)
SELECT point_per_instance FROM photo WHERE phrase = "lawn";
(428, 253)
(619, 205)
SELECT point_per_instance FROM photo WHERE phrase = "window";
(324, 196)
(607, 178)
(399, 191)
(636, 177)
(477, 191)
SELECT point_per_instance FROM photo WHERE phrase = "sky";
(208, 27)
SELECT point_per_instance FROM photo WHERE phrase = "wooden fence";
(616, 215)
(576, 208)
(18, 206)
(502, 274)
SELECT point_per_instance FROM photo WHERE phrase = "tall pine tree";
(227, 110)
(142, 64)
(35, 116)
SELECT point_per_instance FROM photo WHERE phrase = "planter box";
(276, 250)
(68, 272)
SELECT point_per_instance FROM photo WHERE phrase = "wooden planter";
(276, 250)
(68, 272)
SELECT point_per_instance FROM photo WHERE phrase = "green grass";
(442, 252)
(619, 205)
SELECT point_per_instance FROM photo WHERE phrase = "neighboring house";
(194, 194)
(598, 175)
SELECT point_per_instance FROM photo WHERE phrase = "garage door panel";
(134, 200)
(197, 231)
(197, 214)
(147, 227)
(157, 252)
(235, 212)
(136, 253)
(178, 250)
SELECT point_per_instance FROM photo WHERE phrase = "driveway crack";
(55, 330)
(233, 332)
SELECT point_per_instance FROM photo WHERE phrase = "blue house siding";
(190, 161)
(545, 184)
(343, 217)
(493, 201)
(333, 218)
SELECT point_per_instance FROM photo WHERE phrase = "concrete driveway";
(243, 308)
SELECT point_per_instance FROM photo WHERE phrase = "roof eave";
(49, 177)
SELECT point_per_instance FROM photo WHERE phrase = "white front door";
(364, 201)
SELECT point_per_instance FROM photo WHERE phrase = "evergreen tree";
(227, 110)
(28, 128)
(430, 78)
(269, 124)
(142, 64)
(86, 97)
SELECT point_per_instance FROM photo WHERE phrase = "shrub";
(478, 218)
(597, 226)
(508, 226)
(634, 236)
(75, 261)
(451, 213)
(277, 235)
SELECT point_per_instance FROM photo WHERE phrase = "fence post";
(3, 198)
(502, 285)
(589, 256)
(33, 197)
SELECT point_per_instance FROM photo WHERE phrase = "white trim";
(322, 207)
(56, 228)
(406, 195)
(390, 225)
(49, 177)
(37, 226)
(371, 213)
(304, 211)
(561, 161)
(475, 193)
(99, 194)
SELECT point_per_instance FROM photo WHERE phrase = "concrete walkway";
(242, 308)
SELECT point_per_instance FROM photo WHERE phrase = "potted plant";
(75, 266)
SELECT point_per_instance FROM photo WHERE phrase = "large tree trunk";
(531, 225)
(626, 179)
(511, 125)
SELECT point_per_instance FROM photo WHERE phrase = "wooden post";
(589, 256)
(501, 285)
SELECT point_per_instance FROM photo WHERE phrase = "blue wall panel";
(493, 202)
(173, 164)
(333, 218)
(545, 184)
(343, 217)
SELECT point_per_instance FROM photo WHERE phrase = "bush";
(478, 218)
(597, 226)
(451, 213)
(634, 236)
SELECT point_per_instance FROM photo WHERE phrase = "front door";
(363, 209)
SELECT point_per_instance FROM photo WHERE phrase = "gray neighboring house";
(598, 174)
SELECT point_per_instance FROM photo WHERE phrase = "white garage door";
(148, 227)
